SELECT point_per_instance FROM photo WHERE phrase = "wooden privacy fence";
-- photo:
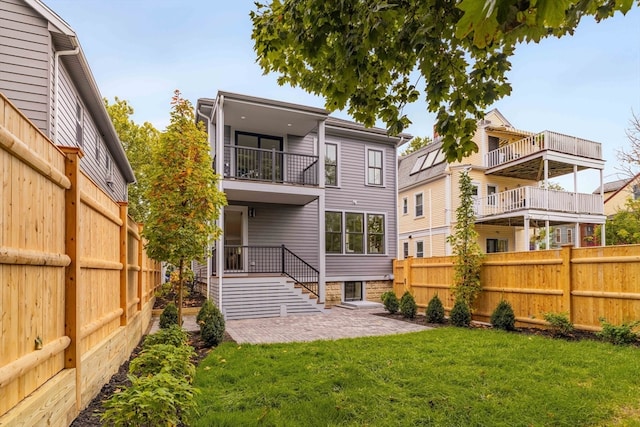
(586, 283)
(76, 286)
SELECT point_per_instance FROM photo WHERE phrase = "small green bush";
(619, 335)
(390, 301)
(173, 335)
(169, 316)
(460, 314)
(435, 310)
(503, 317)
(408, 306)
(164, 358)
(156, 400)
(211, 323)
(560, 324)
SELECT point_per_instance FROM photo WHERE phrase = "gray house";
(311, 217)
(44, 72)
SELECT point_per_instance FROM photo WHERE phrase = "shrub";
(435, 310)
(619, 335)
(503, 317)
(211, 324)
(390, 301)
(154, 400)
(164, 358)
(173, 335)
(408, 306)
(169, 316)
(460, 314)
(560, 324)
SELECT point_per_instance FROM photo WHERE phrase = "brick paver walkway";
(336, 323)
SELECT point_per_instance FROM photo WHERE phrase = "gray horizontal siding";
(300, 144)
(369, 199)
(294, 226)
(24, 60)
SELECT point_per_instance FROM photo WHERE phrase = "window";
(419, 211)
(333, 232)
(417, 166)
(405, 206)
(497, 245)
(491, 194)
(558, 234)
(355, 233)
(358, 238)
(79, 125)
(255, 156)
(331, 164)
(375, 234)
(569, 235)
(353, 291)
(636, 192)
(419, 249)
(374, 167)
(405, 250)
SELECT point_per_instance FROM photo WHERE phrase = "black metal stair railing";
(270, 260)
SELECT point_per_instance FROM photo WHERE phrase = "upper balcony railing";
(546, 140)
(273, 166)
(538, 198)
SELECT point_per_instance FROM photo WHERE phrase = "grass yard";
(443, 377)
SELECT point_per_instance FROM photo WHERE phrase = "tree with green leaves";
(417, 143)
(623, 228)
(465, 247)
(137, 141)
(184, 201)
(372, 56)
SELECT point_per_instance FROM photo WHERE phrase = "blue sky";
(584, 85)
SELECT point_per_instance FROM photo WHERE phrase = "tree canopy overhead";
(373, 57)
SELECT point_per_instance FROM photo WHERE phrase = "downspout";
(207, 250)
(56, 70)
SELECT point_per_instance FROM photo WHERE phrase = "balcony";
(524, 158)
(531, 200)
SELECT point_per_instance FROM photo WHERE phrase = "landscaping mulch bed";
(194, 299)
(90, 416)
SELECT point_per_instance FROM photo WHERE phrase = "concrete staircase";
(257, 297)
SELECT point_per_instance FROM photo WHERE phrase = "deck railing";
(538, 198)
(269, 260)
(274, 166)
(546, 140)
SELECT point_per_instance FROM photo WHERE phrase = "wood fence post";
(72, 326)
(408, 273)
(124, 260)
(142, 288)
(566, 280)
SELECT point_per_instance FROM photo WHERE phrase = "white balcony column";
(547, 239)
(526, 234)
(220, 167)
(575, 188)
(321, 153)
(322, 257)
(546, 186)
(577, 234)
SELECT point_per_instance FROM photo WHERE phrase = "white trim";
(338, 161)
(365, 233)
(416, 246)
(381, 150)
(322, 261)
(405, 203)
(358, 278)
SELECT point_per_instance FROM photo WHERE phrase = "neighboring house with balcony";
(311, 207)
(510, 174)
(44, 73)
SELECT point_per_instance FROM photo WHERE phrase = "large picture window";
(331, 165)
(374, 167)
(361, 233)
(333, 231)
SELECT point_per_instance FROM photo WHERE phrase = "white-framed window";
(569, 235)
(558, 234)
(497, 245)
(491, 194)
(405, 250)
(375, 170)
(362, 233)
(419, 249)
(331, 164)
(405, 206)
(419, 204)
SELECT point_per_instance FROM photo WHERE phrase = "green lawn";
(443, 377)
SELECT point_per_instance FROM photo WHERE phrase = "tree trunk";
(180, 293)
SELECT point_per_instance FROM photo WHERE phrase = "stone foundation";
(373, 290)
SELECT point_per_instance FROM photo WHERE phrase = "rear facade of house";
(310, 221)
(45, 74)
